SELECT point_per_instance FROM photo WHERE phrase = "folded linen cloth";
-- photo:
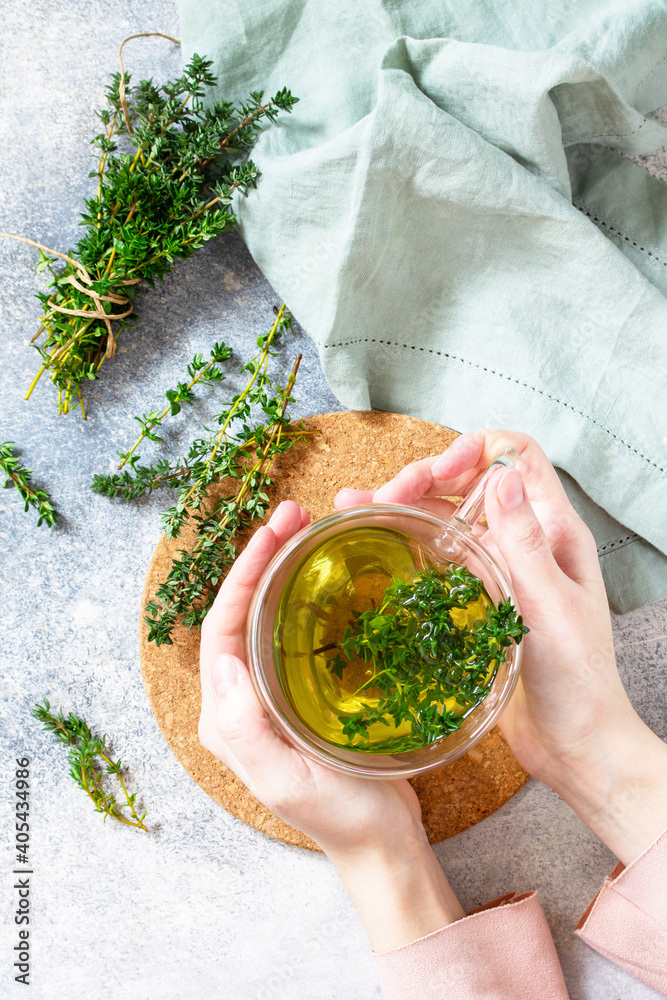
(451, 215)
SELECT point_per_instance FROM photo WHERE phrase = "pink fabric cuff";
(627, 920)
(503, 951)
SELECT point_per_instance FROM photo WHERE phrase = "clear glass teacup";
(448, 540)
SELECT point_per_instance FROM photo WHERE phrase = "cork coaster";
(362, 450)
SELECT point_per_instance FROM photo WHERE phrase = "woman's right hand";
(371, 830)
(570, 722)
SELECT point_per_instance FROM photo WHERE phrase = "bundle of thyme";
(21, 478)
(160, 198)
(237, 450)
(421, 658)
(88, 754)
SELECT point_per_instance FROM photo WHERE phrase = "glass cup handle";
(471, 507)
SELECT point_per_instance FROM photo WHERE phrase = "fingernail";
(463, 443)
(509, 489)
(224, 674)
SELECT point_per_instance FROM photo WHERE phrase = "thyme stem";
(421, 660)
(18, 476)
(85, 747)
(235, 451)
(160, 201)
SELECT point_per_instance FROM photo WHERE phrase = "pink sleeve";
(503, 951)
(627, 920)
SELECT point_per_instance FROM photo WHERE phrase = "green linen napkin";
(451, 215)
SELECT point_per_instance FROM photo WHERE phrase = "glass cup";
(453, 540)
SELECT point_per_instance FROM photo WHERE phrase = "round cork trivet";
(362, 450)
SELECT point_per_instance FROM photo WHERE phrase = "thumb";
(519, 535)
(252, 749)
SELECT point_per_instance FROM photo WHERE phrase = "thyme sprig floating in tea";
(21, 478)
(421, 658)
(240, 449)
(90, 761)
(159, 198)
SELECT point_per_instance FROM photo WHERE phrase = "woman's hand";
(371, 830)
(570, 722)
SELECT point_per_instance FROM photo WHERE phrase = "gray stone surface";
(204, 907)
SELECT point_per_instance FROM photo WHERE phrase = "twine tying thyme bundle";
(162, 203)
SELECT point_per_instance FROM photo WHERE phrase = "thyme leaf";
(241, 449)
(90, 761)
(167, 170)
(422, 655)
(18, 476)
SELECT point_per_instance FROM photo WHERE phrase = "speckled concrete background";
(203, 908)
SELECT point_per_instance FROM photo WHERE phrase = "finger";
(465, 453)
(351, 498)
(570, 541)
(223, 628)
(244, 738)
(538, 474)
(451, 473)
(568, 537)
(416, 480)
(248, 567)
(483, 446)
(448, 474)
(287, 518)
(305, 518)
(520, 538)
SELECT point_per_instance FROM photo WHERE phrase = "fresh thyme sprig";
(240, 449)
(421, 658)
(89, 759)
(200, 372)
(161, 201)
(20, 477)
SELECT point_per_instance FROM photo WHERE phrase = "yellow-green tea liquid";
(350, 571)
